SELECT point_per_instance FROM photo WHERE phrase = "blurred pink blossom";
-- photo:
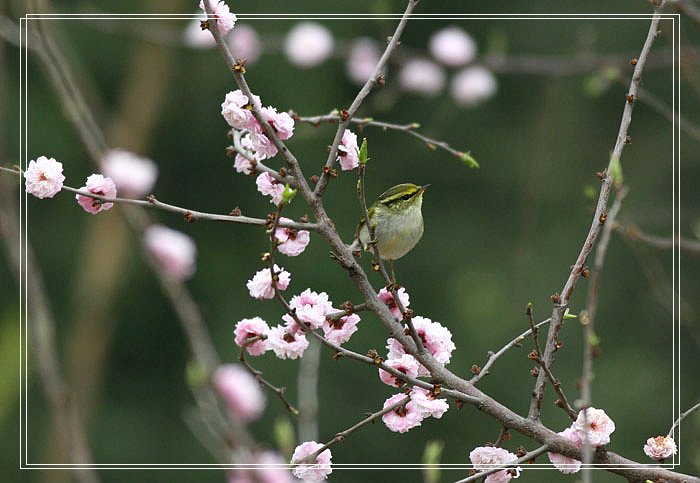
(241, 392)
(195, 37)
(422, 76)
(245, 43)
(340, 331)
(473, 85)
(407, 364)
(308, 44)
(134, 175)
(270, 468)
(98, 185)
(174, 251)
(291, 242)
(452, 46)
(317, 471)
(249, 328)
(44, 177)
(362, 59)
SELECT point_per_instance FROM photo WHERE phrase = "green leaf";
(568, 316)
(363, 152)
(431, 456)
(469, 160)
(288, 194)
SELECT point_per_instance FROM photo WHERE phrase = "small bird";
(397, 221)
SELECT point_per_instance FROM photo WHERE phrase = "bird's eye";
(405, 197)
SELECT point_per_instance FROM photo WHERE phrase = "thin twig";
(634, 233)
(561, 301)
(373, 80)
(682, 416)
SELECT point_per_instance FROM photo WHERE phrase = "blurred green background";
(496, 238)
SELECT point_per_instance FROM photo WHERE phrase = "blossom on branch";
(308, 44)
(339, 331)
(316, 471)
(402, 418)
(436, 338)
(174, 251)
(660, 448)
(262, 285)
(488, 457)
(348, 151)
(269, 186)
(225, 19)
(428, 404)
(387, 297)
(44, 177)
(595, 426)
(291, 242)
(134, 175)
(236, 112)
(287, 341)
(281, 122)
(406, 364)
(240, 390)
(98, 185)
(311, 308)
(247, 329)
(563, 463)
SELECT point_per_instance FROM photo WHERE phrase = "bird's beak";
(425, 187)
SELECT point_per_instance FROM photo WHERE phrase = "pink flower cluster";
(436, 338)
(488, 457)
(237, 110)
(660, 448)
(422, 404)
(317, 471)
(592, 425)
(225, 19)
(262, 285)
(288, 340)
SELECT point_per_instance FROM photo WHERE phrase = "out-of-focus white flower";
(195, 37)
(473, 85)
(245, 43)
(422, 76)
(308, 44)
(174, 251)
(134, 175)
(452, 46)
(362, 59)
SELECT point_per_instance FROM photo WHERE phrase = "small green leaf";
(568, 316)
(469, 160)
(363, 152)
(616, 171)
(288, 194)
(431, 457)
(594, 340)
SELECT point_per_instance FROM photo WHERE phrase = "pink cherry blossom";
(263, 147)
(660, 448)
(261, 285)
(134, 175)
(225, 19)
(174, 251)
(340, 331)
(241, 392)
(428, 404)
(311, 308)
(98, 185)
(281, 122)
(407, 364)
(243, 164)
(291, 242)
(308, 44)
(362, 59)
(44, 177)
(348, 151)
(317, 471)
(386, 297)
(422, 76)
(234, 111)
(436, 338)
(287, 342)
(473, 85)
(563, 463)
(402, 418)
(452, 46)
(270, 468)
(249, 328)
(245, 43)
(487, 457)
(595, 426)
(269, 186)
